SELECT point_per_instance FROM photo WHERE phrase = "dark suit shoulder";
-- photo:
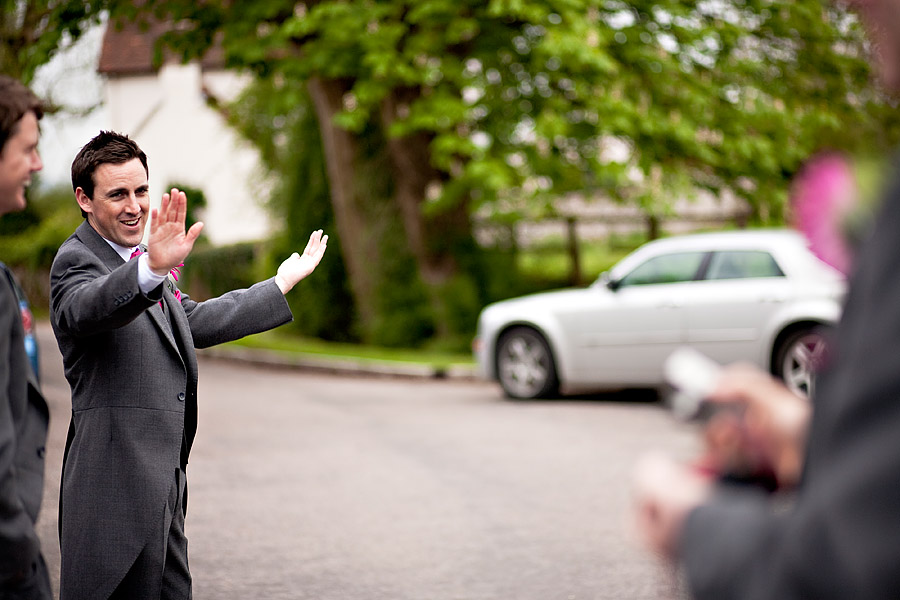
(69, 252)
(8, 301)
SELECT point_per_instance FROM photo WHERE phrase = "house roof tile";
(128, 49)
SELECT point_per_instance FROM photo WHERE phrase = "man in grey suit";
(840, 536)
(127, 336)
(23, 412)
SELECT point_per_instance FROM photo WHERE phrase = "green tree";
(279, 118)
(195, 206)
(503, 104)
(29, 239)
(32, 31)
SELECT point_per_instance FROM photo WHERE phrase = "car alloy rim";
(801, 363)
(523, 367)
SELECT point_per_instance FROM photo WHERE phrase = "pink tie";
(175, 272)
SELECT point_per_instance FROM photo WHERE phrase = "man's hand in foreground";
(169, 244)
(298, 266)
(768, 431)
(664, 494)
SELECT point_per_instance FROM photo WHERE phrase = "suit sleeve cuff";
(147, 279)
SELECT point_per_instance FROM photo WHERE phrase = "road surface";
(312, 486)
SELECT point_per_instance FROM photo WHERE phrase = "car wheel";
(799, 357)
(525, 364)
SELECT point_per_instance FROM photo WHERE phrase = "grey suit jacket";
(841, 538)
(134, 399)
(23, 432)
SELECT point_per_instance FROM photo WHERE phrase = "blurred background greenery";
(406, 129)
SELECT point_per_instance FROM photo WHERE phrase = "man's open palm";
(169, 244)
(298, 266)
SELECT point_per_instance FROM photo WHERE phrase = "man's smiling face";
(18, 160)
(121, 203)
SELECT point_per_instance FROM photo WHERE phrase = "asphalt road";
(314, 486)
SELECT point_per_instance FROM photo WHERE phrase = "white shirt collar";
(124, 252)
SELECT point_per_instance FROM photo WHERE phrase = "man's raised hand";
(298, 266)
(169, 244)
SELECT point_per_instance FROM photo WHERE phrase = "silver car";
(759, 296)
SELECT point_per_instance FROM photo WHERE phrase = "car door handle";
(669, 304)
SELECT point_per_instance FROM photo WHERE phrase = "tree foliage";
(504, 105)
(280, 120)
(32, 31)
(528, 96)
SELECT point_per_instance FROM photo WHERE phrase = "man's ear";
(83, 201)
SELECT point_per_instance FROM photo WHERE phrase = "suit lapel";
(158, 316)
(180, 327)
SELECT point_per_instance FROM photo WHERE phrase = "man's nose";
(133, 205)
(36, 163)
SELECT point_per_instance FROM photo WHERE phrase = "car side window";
(667, 268)
(742, 264)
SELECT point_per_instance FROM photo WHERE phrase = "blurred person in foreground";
(127, 337)
(838, 535)
(24, 416)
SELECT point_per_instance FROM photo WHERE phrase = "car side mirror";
(608, 282)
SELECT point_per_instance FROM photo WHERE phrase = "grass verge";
(289, 344)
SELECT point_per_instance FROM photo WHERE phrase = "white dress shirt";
(147, 279)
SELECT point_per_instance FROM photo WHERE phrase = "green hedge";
(211, 271)
(29, 240)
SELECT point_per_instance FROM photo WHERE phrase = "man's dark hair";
(15, 101)
(106, 147)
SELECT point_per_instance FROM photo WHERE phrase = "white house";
(186, 140)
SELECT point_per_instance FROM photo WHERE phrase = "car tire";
(525, 366)
(799, 356)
